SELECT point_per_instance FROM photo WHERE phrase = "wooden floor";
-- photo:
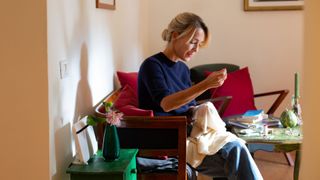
(274, 166)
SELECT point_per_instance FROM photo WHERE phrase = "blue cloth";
(159, 77)
(158, 165)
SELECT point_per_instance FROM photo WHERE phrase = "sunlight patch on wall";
(100, 61)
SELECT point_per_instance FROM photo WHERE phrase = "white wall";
(270, 42)
(95, 42)
(24, 149)
(311, 142)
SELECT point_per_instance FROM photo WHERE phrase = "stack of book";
(272, 121)
(253, 118)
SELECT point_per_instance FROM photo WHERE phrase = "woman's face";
(186, 46)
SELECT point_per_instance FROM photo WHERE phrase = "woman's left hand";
(216, 79)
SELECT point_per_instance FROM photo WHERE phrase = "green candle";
(296, 85)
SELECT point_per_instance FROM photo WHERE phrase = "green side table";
(97, 169)
(280, 140)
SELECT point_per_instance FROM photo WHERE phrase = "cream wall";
(24, 149)
(36, 140)
(311, 144)
(270, 42)
(95, 43)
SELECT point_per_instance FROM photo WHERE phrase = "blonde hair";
(184, 23)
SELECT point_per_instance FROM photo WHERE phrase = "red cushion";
(130, 110)
(238, 85)
(130, 79)
(127, 96)
(127, 103)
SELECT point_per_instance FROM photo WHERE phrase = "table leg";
(289, 158)
(297, 165)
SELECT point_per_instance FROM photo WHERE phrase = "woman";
(164, 86)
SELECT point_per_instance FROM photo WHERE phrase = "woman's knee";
(235, 147)
(237, 144)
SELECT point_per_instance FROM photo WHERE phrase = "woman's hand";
(190, 113)
(178, 99)
(216, 79)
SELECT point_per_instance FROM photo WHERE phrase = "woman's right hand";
(180, 98)
(216, 78)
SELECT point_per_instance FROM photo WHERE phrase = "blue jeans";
(232, 161)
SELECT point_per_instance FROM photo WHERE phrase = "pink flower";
(114, 117)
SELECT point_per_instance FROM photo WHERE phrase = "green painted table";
(277, 140)
(123, 168)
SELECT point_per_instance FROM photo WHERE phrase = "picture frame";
(106, 4)
(86, 146)
(273, 5)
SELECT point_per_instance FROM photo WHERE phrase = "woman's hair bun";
(166, 35)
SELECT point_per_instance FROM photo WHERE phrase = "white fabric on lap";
(208, 134)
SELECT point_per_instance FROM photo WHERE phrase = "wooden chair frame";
(282, 94)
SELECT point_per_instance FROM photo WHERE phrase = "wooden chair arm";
(166, 122)
(225, 101)
(109, 98)
(277, 102)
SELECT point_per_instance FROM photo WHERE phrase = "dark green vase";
(111, 145)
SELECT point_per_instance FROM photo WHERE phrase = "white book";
(250, 116)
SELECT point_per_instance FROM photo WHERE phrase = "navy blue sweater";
(159, 77)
